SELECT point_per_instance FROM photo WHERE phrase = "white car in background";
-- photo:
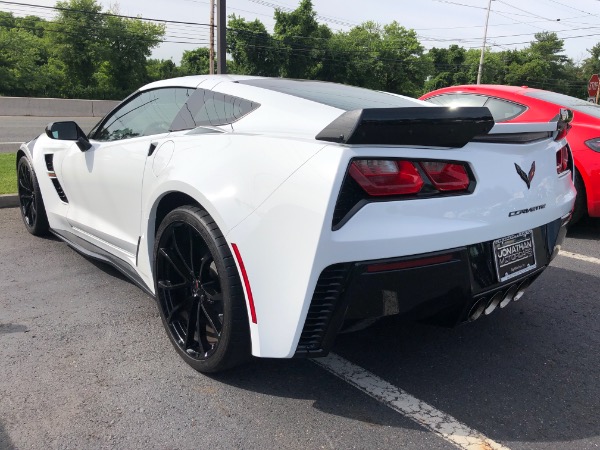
(264, 214)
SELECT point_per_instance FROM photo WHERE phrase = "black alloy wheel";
(32, 207)
(199, 293)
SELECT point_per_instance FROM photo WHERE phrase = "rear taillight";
(374, 180)
(447, 176)
(386, 177)
(594, 144)
(562, 160)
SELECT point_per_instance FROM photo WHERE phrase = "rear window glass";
(576, 104)
(501, 110)
(210, 108)
(339, 96)
(458, 100)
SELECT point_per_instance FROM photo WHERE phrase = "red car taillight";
(388, 177)
(447, 176)
(593, 144)
(562, 160)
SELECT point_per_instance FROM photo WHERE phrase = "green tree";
(126, 45)
(78, 39)
(160, 69)
(253, 49)
(301, 41)
(591, 64)
(543, 65)
(196, 62)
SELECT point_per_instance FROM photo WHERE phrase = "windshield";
(339, 96)
(576, 104)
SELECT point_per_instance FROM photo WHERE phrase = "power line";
(56, 8)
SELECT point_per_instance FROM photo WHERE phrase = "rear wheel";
(31, 204)
(580, 201)
(199, 293)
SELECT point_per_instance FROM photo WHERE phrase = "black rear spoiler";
(420, 126)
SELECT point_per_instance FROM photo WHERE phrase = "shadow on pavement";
(304, 380)
(527, 373)
(587, 228)
(5, 441)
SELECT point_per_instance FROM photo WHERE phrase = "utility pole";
(487, 19)
(221, 43)
(211, 66)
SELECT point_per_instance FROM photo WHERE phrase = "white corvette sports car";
(264, 214)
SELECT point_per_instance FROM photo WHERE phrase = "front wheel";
(199, 293)
(31, 204)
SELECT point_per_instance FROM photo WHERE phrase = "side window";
(212, 108)
(150, 112)
(503, 110)
(458, 100)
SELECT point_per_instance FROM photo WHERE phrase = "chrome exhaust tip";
(521, 290)
(493, 303)
(477, 309)
(509, 296)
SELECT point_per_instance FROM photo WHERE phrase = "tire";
(580, 201)
(199, 292)
(31, 203)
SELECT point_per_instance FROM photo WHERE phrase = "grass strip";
(8, 173)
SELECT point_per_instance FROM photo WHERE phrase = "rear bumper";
(452, 286)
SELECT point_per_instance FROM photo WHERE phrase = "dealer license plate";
(515, 255)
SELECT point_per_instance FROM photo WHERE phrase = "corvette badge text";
(526, 211)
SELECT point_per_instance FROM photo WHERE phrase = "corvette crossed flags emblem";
(524, 176)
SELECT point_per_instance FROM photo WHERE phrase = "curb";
(9, 201)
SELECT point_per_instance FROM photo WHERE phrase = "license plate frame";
(514, 255)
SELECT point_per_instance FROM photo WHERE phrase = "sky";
(439, 23)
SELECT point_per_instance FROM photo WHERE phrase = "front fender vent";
(49, 158)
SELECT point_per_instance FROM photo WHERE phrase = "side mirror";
(68, 131)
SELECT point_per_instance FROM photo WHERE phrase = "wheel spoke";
(191, 237)
(211, 292)
(202, 342)
(22, 185)
(174, 312)
(27, 207)
(206, 259)
(175, 261)
(213, 318)
(175, 247)
(167, 286)
(192, 325)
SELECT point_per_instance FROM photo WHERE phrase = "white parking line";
(590, 259)
(424, 414)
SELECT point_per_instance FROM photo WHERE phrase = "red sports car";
(523, 104)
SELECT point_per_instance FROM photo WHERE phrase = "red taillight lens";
(562, 160)
(447, 176)
(386, 177)
(594, 144)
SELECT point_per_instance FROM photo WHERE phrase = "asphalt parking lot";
(85, 363)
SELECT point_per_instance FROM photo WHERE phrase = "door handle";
(152, 148)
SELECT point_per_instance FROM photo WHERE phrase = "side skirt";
(92, 251)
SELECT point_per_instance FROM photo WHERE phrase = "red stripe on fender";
(246, 282)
